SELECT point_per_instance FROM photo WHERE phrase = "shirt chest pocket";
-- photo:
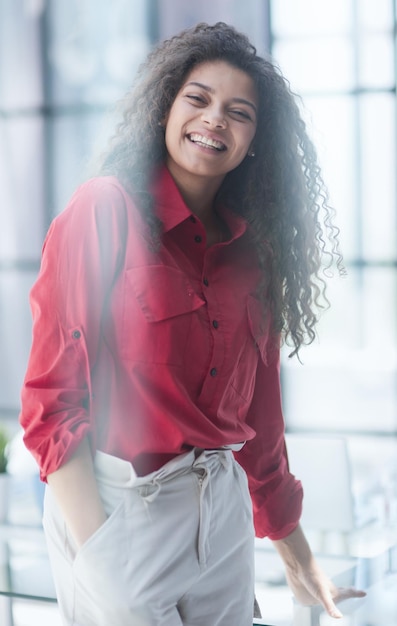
(158, 307)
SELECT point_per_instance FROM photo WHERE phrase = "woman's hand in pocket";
(75, 490)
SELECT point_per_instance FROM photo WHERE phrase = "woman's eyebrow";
(211, 90)
(244, 101)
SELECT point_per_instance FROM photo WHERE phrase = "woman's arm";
(276, 494)
(76, 492)
(307, 581)
(82, 256)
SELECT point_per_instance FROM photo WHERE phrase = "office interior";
(63, 65)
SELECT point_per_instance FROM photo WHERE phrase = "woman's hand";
(311, 586)
(307, 581)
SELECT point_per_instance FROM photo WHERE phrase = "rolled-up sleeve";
(80, 258)
(275, 492)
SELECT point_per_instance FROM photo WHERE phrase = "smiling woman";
(152, 395)
(209, 130)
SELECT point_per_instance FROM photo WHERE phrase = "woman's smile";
(207, 142)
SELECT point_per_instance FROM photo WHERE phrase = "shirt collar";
(172, 210)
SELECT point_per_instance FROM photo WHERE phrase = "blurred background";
(63, 65)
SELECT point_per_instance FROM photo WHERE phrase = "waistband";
(114, 471)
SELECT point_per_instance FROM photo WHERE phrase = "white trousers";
(177, 547)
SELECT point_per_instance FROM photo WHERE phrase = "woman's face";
(212, 122)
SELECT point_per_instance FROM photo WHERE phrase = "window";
(339, 55)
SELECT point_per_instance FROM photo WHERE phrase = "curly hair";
(280, 192)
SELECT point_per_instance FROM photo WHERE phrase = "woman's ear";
(251, 151)
(163, 121)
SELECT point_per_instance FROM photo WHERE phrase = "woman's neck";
(198, 193)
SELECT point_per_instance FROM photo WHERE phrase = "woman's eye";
(241, 114)
(195, 98)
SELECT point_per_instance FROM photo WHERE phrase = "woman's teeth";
(206, 142)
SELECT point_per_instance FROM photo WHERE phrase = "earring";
(251, 153)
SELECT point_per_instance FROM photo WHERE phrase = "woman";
(151, 400)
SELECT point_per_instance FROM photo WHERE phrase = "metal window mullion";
(46, 73)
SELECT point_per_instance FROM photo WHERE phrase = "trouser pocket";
(100, 566)
(91, 581)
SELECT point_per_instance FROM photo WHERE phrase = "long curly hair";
(280, 192)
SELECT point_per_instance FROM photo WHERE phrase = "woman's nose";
(214, 117)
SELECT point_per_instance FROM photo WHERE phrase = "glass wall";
(340, 57)
(63, 65)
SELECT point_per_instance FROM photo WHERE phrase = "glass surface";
(377, 15)
(21, 188)
(378, 179)
(308, 17)
(20, 56)
(316, 64)
(378, 609)
(379, 311)
(77, 141)
(376, 65)
(342, 391)
(331, 122)
(249, 16)
(347, 380)
(24, 566)
(94, 49)
(15, 334)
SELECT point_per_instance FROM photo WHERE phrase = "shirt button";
(205, 281)
(215, 323)
(198, 239)
(193, 219)
(213, 372)
(76, 334)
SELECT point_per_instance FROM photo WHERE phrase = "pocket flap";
(163, 292)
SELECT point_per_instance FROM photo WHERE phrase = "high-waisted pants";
(177, 547)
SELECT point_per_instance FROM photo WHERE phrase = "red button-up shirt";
(152, 352)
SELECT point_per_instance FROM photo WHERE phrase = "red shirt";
(153, 352)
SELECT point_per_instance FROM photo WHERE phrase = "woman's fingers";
(328, 599)
(344, 593)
